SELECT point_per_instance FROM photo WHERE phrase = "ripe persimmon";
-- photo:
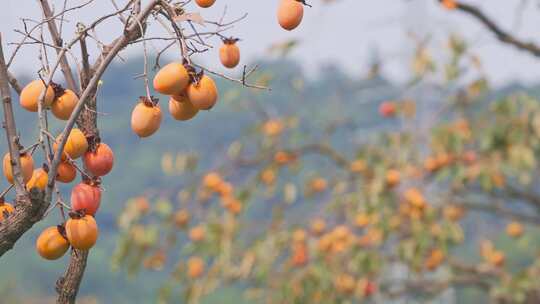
(318, 226)
(205, 3)
(39, 179)
(229, 53)
(66, 172)
(30, 95)
(225, 189)
(282, 157)
(514, 229)
(86, 197)
(171, 79)
(197, 234)
(496, 258)
(51, 243)
(181, 218)
(268, 176)
(435, 258)
(387, 109)
(27, 167)
(212, 180)
(318, 184)
(453, 213)
(82, 232)
(100, 161)
(449, 4)
(414, 197)
(273, 127)
(362, 219)
(366, 287)
(5, 208)
(299, 255)
(358, 166)
(345, 283)
(181, 108)
(76, 144)
(290, 14)
(232, 204)
(63, 105)
(392, 177)
(146, 118)
(195, 267)
(203, 93)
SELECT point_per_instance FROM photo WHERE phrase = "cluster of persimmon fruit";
(80, 231)
(332, 242)
(213, 183)
(191, 92)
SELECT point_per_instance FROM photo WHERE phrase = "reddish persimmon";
(205, 3)
(203, 93)
(30, 95)
(51, 243)
(171, 79)
(290, 14)
(86, 197)
(82, 232)
(63, 106)
(181, 108)
(66, 172)
(99, 162)
(27, 167)
(387, 109)
(195, 267)
(300, 255)
(229, 53)
(76, 144)
(145, 118)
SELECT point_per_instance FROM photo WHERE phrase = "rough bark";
(68, 285)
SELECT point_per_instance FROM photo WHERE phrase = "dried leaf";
(193, 17)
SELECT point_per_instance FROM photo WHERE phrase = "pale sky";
(344, 32)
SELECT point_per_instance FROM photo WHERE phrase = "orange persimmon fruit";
(82, 232)
(229, 53)
(181, 108)
(27, 167)
(30, 95)
(76, 144)
(290, 14)
(51, 243)
(63, 105)
(171, 79)
(146, 118)
(203, 93)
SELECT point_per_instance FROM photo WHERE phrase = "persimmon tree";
(64, 51)
(294, 218)
(192, 89)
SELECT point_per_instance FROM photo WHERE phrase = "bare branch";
(68, 285)
(57, 39)
(501, 34)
